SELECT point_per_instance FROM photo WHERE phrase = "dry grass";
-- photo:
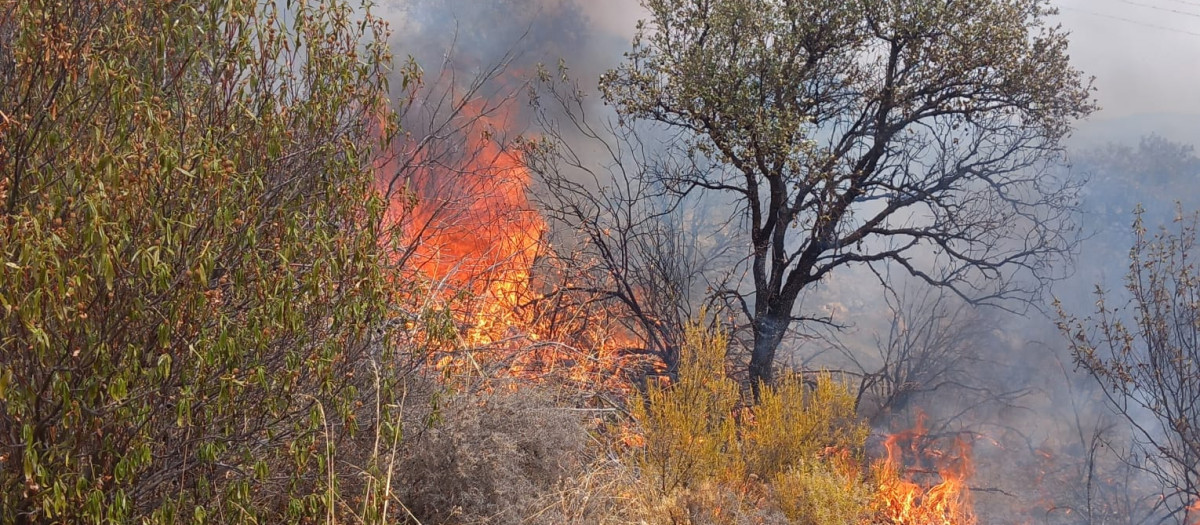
(490, 457)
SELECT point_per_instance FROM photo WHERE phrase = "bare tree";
(1147, 356)
(1092, 483)
(624, 239)
(935, 345)
(865, 132)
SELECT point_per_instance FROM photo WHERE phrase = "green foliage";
(708, 65)
(190, 276)
(803, 442)
(865, 131)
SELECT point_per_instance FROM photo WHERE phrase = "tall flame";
(466, 220)
(466, 226)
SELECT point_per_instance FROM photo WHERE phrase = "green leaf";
(164, 366)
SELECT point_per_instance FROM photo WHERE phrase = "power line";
(1185, 2)
(1159, 8)
(1129, 20)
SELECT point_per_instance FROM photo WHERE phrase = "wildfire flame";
(466, 220)
(905, 501)
(466, 226)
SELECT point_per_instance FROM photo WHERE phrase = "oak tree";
(866, 132)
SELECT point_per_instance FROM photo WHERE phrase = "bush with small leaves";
(189, 260)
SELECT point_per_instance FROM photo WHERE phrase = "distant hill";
(1183, 128)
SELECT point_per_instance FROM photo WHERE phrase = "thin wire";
(1129, 20)
(1159, 8)
(1185, 2)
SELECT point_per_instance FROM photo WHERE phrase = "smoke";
(1142, 53)
(472, 36)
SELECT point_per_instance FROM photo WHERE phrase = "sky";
(1145, 54)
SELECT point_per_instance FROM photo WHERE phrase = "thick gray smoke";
(1143, 54)
(472, 37)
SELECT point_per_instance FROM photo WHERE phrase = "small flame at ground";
(944, 500)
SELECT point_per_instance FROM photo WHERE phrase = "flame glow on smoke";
(465, 218)
(476, 225)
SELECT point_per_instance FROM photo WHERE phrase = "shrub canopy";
(189, 243)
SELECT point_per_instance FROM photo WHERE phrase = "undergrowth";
(794, 457)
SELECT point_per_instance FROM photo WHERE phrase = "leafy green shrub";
(190, 278)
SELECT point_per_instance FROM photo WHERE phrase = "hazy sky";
(1145, 54)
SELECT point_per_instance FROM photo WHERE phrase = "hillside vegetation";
(197, 324)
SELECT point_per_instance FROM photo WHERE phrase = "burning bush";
(945, 501)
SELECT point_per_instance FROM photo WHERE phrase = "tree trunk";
(768, 333)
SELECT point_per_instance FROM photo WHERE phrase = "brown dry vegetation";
(689, 452)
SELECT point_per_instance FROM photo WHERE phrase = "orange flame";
(904, 501)
(467, 221)
(463, 223)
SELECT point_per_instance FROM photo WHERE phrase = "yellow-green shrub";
(794, 422)
(804, 442)
(822, 493)
(688, 426)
